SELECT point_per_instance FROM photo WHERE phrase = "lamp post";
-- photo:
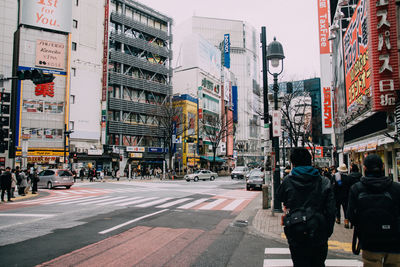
(275, 56)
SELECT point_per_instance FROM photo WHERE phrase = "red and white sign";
(383, 53)
(276, 123)
(105, 52)
(325, 65)
(45, 89)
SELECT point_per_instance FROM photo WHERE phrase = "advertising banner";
(356, 54)
(48, 14)
(325, 65)
(227, 51)
(383, 54)
(50, 55)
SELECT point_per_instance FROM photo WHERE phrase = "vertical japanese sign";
(105, 53)
(49, 14)
(356, 57)
(383, 54)
(227, 51)
(325, 65)
(276, 123)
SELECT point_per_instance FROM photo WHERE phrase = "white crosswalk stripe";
(192, 204)
(83, 199)
(170, 204)
(152, 203)
(117, 201)
(287, 262)
(136, 201)
(234, 204)
(97, 200)
(212, 204)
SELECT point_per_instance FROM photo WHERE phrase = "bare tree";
(215, 130)
(173, 123)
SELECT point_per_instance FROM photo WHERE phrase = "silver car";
(255, 179)
(201, 175)
(52, 178)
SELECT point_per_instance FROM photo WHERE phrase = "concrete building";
(244, 64)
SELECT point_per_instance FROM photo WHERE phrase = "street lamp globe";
(275, 53)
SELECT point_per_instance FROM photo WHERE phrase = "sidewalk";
(268, 225)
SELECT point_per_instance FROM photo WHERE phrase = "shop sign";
(276, 123)
(362, 147)
(45, 89)
(155, 149)
(42, 153)
(96, 152)
(105, 52)
(356, 53)
(135, 155)
(50, 54)
(42, 159)
(135, 149)
(384, 54)
(371, 146)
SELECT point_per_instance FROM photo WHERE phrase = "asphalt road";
(138, 223)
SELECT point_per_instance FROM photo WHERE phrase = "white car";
(201, 175)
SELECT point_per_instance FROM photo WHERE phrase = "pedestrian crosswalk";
(211, 203)
(279, 257)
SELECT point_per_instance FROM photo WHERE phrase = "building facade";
(136, 82)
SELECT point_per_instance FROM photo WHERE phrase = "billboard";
(356, 56)
(50, 54)
(383, 54)
(48, 14)
(324, 50)
(235, 103)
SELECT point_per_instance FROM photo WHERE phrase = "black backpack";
(307, 223)
(377, 221)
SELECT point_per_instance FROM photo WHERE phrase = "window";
(76, 2)
(72, 99)
(73, 70)
(75, 24)
(71, 125)
(73, 46)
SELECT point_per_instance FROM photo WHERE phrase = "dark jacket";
(374, 185)
(296, 188)
(341, 191)
(5, 180)
(354, 177)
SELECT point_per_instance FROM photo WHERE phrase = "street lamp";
(275, 56)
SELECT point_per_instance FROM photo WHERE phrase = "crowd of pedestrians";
(19, 180)
(314, 199)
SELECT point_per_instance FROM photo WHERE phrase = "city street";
(140, 223)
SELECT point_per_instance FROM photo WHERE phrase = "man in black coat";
(374, 210)
(5, 181)
(305, 188)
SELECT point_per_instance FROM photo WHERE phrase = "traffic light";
(3, 143)
(37, 76)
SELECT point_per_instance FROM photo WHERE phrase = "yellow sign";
(135, 155)
(43, 153)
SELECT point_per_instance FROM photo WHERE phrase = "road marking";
(110, 198)
(233, 204)
(136, 201)
(192, 204)
(119, 200)
(131, 221)
(212, 204)
(25, 215)
(152, 203)
(167, 205)
(288, 262)
(83, 199)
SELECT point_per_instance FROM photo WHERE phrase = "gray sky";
(293, 22)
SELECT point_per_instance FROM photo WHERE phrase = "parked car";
(52, 178)
(255, 179)
(239, 172)
(201, 175)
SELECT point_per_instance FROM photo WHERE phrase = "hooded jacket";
(296, 188)
(374, 185)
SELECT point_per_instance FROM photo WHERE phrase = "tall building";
(244, 64)
(138, 67)
(8, 25)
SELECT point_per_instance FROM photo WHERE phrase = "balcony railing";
(117, 127)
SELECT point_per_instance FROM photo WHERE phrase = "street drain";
(241, 223)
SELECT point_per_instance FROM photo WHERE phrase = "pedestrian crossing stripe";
(288, 262)
(143, 202)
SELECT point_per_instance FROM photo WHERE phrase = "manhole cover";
(241, 223)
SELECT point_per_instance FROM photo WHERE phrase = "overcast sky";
(293, 22)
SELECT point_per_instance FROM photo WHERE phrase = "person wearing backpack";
(310, 205)
(374, 210)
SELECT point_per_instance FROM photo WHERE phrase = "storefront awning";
(211, 159)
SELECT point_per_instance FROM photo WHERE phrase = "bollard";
(265, 200)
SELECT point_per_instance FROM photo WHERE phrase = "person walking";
(82, 174)
(354, 175)
(13, 183)
(34, 180)
(23, 183)
(5, 182)
(374, 210)
(341, 187)
(308, 196)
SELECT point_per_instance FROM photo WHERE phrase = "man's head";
(373, 166)
(299, 156)
(8, 169)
